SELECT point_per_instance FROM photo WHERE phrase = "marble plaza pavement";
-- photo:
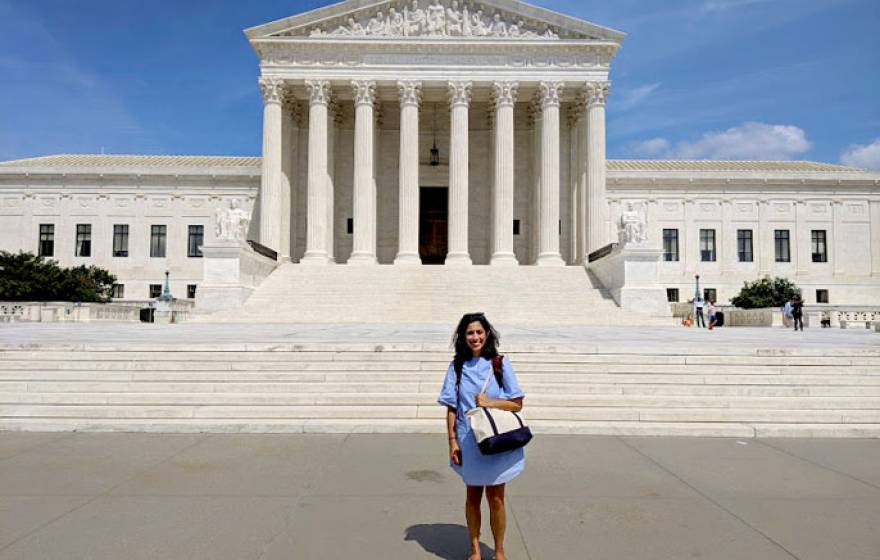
(306, 496)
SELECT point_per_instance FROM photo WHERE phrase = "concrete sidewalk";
(236, 497)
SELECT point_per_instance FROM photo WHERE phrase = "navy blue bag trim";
(506, 442)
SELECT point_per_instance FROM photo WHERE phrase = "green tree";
(766, 292)
(27, 277)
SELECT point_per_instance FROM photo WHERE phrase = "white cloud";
(749, 141)
(627, 99)
(865, 156)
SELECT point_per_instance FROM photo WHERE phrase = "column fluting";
(597, 93)
(316, 234)
(548, 227)
(273, 93)
(504, 98)
(459, 102)
(408, 197)
(364, 203)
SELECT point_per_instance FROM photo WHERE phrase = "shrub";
(27, 277)
(765, 292)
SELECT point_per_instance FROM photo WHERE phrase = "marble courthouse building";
(446, 133)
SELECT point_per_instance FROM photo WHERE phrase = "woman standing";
(475, 342)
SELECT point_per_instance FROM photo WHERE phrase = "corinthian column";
(504, 97)
(548, 217)
(408, 198)
(596, 93)
(270, 181)
(316, 234)
(363, 250)
(459, 99)
(290, 122)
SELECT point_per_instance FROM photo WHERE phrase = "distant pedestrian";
(713, 318)
(475, 343)
(786, 313)
(797, 312)
(698, 312)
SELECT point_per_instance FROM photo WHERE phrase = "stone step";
(423, 399)
(430, 426)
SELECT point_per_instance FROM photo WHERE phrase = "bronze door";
(433, 224)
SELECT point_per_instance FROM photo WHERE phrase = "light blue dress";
(478, 469)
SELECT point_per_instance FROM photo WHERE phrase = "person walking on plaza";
(711, 312)
(698, 312)
(797, 312)
(475, 342)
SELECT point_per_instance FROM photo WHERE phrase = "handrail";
(601, 252)
(263, 250)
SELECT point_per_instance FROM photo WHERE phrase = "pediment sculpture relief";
(438, 19)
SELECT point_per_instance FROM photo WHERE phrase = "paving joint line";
(816, 464)
(105, 493)
(710, 499)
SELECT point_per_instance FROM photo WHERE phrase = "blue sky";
(705, 79)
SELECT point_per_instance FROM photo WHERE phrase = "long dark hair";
(463, 351)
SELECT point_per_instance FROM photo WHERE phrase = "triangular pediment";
(434, 20)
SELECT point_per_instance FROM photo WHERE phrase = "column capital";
(410, 92)
(549, 93)
(504, 93)
(459, 93)
(319, 92)
(272, 89)
(596, 93)
(364, 92)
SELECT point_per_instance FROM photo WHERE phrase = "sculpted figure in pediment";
(453, 19)
(376, 25)
(499, 28)
(395, 23)
(416, 20)
(436, 19)
(354, 28)
(478, 26)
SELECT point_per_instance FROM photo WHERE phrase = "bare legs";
(472, 514)
(497, 518)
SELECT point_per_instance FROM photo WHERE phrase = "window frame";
(194, 232)
(120, 240)
(782, 245)
(151, 291)
(158, 239)
(117, 291)
(743, 253)
(673, 291)
(819, 242)
(707, 236)
(46, 236)
(670, 237)
(83, 245)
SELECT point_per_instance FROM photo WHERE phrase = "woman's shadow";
(444, 540)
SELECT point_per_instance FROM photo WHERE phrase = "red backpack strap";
(497, 368)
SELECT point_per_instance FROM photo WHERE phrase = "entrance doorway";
(433, 224)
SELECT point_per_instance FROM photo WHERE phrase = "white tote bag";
(497, 430)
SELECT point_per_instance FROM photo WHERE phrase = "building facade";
(405, 133)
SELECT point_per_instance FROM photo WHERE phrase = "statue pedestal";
(231, 272)
(630, 274)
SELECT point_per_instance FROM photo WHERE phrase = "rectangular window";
(672, 295)
(744, 245)
(820, 247)
(47, 240)
(191, 291)
(155, 290)
(670, 245)
(516, 227)
(783, 248)
(707, 245)
(83, 240)
(157, 241)
(821, 296)
(709, 294)
(120, 240)
(195, 240)
(349, 226)
(117, 291)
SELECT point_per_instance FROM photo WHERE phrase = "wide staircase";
(518, 295)
(387, 388)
